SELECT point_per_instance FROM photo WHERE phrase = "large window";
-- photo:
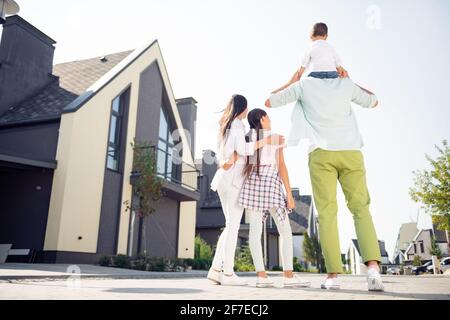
(422, 249)
(115, 133)
(165, 146)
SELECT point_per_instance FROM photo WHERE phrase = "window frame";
(116, 145)
(168, 142)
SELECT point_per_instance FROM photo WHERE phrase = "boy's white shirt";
(320, 57)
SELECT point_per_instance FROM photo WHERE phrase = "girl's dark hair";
(320, 30)
(235, 107)
(254, 120)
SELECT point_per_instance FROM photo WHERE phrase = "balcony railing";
(177, 171)
(173, 170)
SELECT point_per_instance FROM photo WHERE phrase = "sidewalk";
(19, 271)
(19, 281)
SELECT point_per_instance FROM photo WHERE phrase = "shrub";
(105, 261)
(203, 251)
(159, 264)
(121, 261)
(417, 262)
(298, 267)
(199, 264)
(139, 264)
(277, 268)
(244, 262)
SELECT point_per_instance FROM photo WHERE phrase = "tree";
(442, 222)
(147, 185)
(435, 250)
(432, 188)
(313, 252)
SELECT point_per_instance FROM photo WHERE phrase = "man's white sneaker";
(295, 282)
(231, 280)
(263, 282)
(331, 284)
(214, 276)
(374, 282)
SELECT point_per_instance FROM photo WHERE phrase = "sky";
(213, 49)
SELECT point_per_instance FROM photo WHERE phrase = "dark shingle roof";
(299, 217)
(440, 235)
(74, 78)
(46, 104)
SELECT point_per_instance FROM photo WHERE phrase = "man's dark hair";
(320, 30)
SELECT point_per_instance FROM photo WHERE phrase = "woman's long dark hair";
(235, 107)
(254, 120)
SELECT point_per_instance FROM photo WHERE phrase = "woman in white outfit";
(228, 181)
(267, 191)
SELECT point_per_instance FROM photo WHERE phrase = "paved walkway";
(103, 283)
(20, 271)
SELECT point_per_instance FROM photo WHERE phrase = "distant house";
(421, 244)
(405, 236)
(355, 261)
(66, 155)
(211, 221)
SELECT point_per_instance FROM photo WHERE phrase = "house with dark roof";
(420, 245)
(355, 262)
(66, 154)
(406, 234)
(211, 220)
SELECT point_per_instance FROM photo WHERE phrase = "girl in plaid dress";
(228, 181)
(267, 191)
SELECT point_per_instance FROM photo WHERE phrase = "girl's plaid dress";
(264, 192)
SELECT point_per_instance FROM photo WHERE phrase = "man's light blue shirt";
(323, 113)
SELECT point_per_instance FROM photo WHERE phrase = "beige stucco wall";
(425, 237)
(75, 203)
(186, 233)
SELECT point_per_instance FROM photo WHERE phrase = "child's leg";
(287, 246)
(256, 224)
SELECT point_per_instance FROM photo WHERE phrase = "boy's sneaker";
(295, 282)
(263, 282)
(374, 282)
(214, 276)
(331, 284)
(231, 280)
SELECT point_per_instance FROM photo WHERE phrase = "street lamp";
(7, 7)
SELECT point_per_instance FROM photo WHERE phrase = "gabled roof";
(106, 78)
(407, 232)
(420, 232)
(439, 234)
(78, 76)
(71, 80)
(380, 244)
